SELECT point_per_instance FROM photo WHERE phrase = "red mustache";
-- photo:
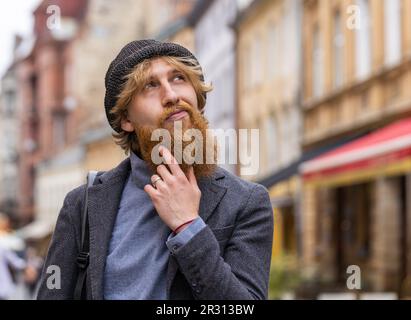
(182, 106)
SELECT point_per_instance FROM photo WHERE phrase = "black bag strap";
(84, 254)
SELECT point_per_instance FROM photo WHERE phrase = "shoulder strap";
(84, 254)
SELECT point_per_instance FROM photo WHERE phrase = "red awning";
(384, 146)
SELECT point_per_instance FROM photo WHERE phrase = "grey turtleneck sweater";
(137, 258)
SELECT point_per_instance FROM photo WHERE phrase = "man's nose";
(170, 97)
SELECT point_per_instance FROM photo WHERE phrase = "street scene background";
(325, 82)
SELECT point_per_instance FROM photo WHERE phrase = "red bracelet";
(175, 231)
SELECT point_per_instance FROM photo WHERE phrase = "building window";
(392, 30)
(256, 74)
(363, 41)
(274, 50)
(245, 67)
(364, 101)
(242, 4)
(273, 142)
(393, 91)
(294, 131)
(9, 103)
(289, 244)
(287, 134)
(317, 64)
(68, 77)
(247, 63)
(59, 130)
(338, 51)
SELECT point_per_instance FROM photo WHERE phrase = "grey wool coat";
(228, 259)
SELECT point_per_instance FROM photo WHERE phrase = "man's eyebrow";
(155, 76)
(174, 71)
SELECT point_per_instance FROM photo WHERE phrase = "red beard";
(203, 151)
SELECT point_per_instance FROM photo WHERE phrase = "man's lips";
(177, 115)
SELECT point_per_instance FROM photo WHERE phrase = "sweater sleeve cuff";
(175, 242)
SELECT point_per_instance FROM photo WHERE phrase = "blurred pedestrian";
(10, 263)
(32, 271)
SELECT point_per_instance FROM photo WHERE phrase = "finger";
(191, 176)
(170, 161)
(149, 189)
(155, 178)
(164, 173)
(157, 182)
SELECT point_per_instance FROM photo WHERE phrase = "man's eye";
(179, 77)
(149, 85)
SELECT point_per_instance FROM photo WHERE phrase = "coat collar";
(104, 200)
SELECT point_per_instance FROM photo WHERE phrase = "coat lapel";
(211, 195)
(104, 200)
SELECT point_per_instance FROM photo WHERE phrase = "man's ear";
(126, 124)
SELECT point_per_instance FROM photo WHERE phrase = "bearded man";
(175, 229)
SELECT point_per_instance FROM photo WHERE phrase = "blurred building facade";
(63, 129)
(356, 199)
(43, 117)
(268, 92)
(9, 134)
(49, 123)
(215, 50)
(179, 31)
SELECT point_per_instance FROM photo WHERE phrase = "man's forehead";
(159, 67)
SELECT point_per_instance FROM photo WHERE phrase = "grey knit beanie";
(132, 54)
